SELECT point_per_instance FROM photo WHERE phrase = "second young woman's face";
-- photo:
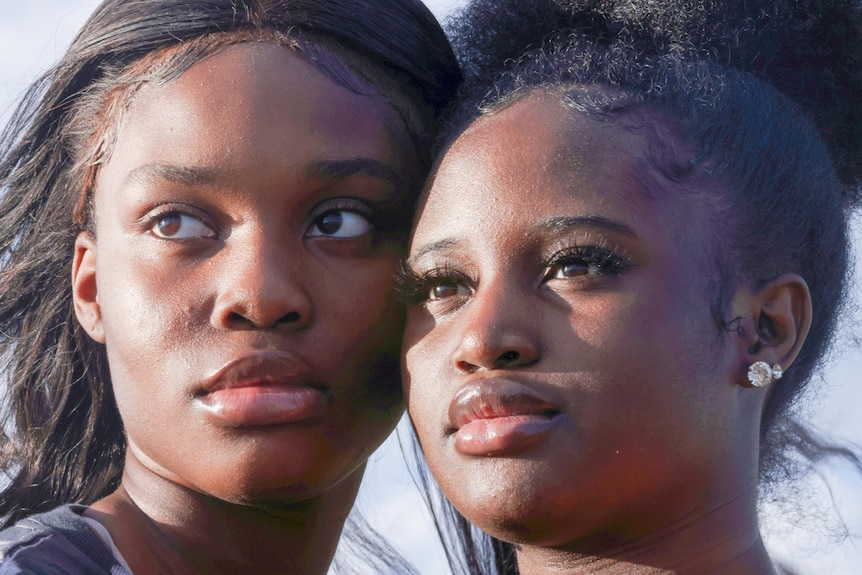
(243, 256)
(564, 372)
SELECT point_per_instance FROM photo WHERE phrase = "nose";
(262, 286)
(496, 332)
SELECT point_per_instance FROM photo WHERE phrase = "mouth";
(263, 389)
(499, 417)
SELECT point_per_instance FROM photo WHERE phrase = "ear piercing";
(761, 375)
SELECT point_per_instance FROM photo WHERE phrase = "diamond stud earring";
(761, 375)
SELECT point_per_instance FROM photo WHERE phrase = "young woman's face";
(565, 376)
(241, 276)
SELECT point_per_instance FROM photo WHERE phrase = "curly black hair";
(810, 50)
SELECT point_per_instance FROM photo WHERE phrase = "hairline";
(343, 66)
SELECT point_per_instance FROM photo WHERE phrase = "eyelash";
(415, 288)
(352, 205)
(606, 261)
(150, 221)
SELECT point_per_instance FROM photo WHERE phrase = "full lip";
(498, 416)
(261, 369)
(261, 389)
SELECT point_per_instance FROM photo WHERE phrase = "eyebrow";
(340, 169)
(555, 225)
(184, 175)
(562, 224)
(198, 176)
(433, 247)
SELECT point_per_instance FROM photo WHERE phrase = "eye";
(180, 226)
(573, 269)
(340, 224)
(583, 262)
(446, 290)
(435, 285)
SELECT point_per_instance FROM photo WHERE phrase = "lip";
(263, 389)
(495, 417)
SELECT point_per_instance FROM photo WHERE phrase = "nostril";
(509, 356)
(292, 317)
(236, 318)
(467, 367)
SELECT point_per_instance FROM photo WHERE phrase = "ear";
(778, 320)
(84, 291)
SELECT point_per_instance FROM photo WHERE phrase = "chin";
(294, 491)
(514, 524)
(282, 478)
(527, 503)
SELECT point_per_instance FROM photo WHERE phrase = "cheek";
(645, 368)
(155, 321)
(145, 305)
(365, 326)
(372, 362)
(658, 323)
(360, 302)
(429, 381)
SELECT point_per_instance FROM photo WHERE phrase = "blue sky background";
(32, 36)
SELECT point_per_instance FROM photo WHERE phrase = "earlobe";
(84, 292)
(781, 312)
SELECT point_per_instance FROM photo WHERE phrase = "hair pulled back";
(62, 439)
(769, 94)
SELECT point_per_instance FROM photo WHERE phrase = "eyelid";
(609, 261)
(342, 204)
(152, 217)
(414, 287)
(350, 204)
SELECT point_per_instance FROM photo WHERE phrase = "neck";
(162, 527)
(724, 540)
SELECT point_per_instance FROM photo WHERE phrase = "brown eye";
(178, 226)
(581, 263)
(573, 269)
(447, 290)
(340, 224)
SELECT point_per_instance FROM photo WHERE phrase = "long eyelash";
(605, 258)
(152, 216)
(413, 288)
(354, 205)
(408, 284)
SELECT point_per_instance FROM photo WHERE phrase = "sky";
(33, 34)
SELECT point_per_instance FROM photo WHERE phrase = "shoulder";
(55, 542)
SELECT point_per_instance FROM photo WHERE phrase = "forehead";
(533, 157)
(511, 173)
(252, 103)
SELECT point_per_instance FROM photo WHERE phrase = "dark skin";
(243, 291)
(564, 346)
